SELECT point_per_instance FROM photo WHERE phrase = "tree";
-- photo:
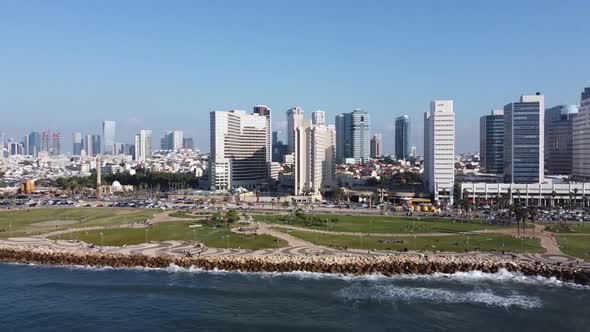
(285, 205)
(533, 215)
(232, 216)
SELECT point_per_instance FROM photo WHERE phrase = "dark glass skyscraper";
(353, 136)
(491, 142)
(524, 140)
(558, 139)
(402, 137)
(33, 144)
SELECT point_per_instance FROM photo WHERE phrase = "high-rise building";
(143, 145)
(238, 150)
(187, 143)
(294, 120)
(439, 150)
(558, 139)
(318, 118)
(109, 136)
(376, 143)
(353, 135)
(56, 143)
(172, 140)
(314, 158)
(279, 150)
(15, 149)
(524, 140)
(45, 141)
(402, 137)
(265, 111)
(491, 142)
(33, 146)
(77, 144)
(581, 139)
(92, 145)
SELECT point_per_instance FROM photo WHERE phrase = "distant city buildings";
(558, 139)
(439, 150)
(279, 149)
(491, 142)
(143, 145)
(33, 144)
(524, 140)
(77, 143)
(238, 156)
(188, 143)
(92, 145)
(376, 144)
(402, 137)
(581, 139)
(172, 140)
(353, 135)
(109, 136)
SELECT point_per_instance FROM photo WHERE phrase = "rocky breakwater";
(388, 265)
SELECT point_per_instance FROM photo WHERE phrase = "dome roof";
(116, 184)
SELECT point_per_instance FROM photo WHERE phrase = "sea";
(49, 298)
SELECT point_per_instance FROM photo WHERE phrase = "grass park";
(14, 223)
(215, 236)
(452, 243)
(375, 224)
(575, 245)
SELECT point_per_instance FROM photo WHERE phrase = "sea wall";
(355, 265)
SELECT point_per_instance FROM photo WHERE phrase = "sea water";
(45, 298)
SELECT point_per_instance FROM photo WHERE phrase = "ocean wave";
(502, 276)
(413, 294)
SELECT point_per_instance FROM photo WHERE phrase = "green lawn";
(456, 243)
(22, 220)
(211, 236)
(575, 245)
(376, 224)
(568, 228)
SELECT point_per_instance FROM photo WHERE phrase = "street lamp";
(227, 241)
(195, 235)
(361, 241)
(101, 240)
(146, 235)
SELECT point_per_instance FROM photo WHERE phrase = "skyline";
(69, 66)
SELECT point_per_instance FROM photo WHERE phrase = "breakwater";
(388, 265)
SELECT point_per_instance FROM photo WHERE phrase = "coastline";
(387, 265)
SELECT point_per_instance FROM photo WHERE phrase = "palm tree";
(576, 194)
(533, 215)
(553, 194)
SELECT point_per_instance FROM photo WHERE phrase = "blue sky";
(160, 65)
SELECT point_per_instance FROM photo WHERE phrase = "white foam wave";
(502, 275)
(411, 294)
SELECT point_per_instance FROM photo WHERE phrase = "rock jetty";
(387, 265)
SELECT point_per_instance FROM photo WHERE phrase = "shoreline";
(386, 265)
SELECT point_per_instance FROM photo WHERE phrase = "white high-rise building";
(581, 139)
(315, 149)
(318, 118)
(177, 137)
(109, 136)
(143, 145)
(439, 150)
(294, 120)
(238, 150)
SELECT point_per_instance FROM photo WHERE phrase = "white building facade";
(238, 150)
(315, 167)
(294, 120)
(439, 150)
(143, 145)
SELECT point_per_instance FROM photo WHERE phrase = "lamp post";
(194, 236)
(227, 241)
(146, 235)
(101, 240)
(361, 241)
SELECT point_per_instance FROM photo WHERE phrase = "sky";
(69, 65)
